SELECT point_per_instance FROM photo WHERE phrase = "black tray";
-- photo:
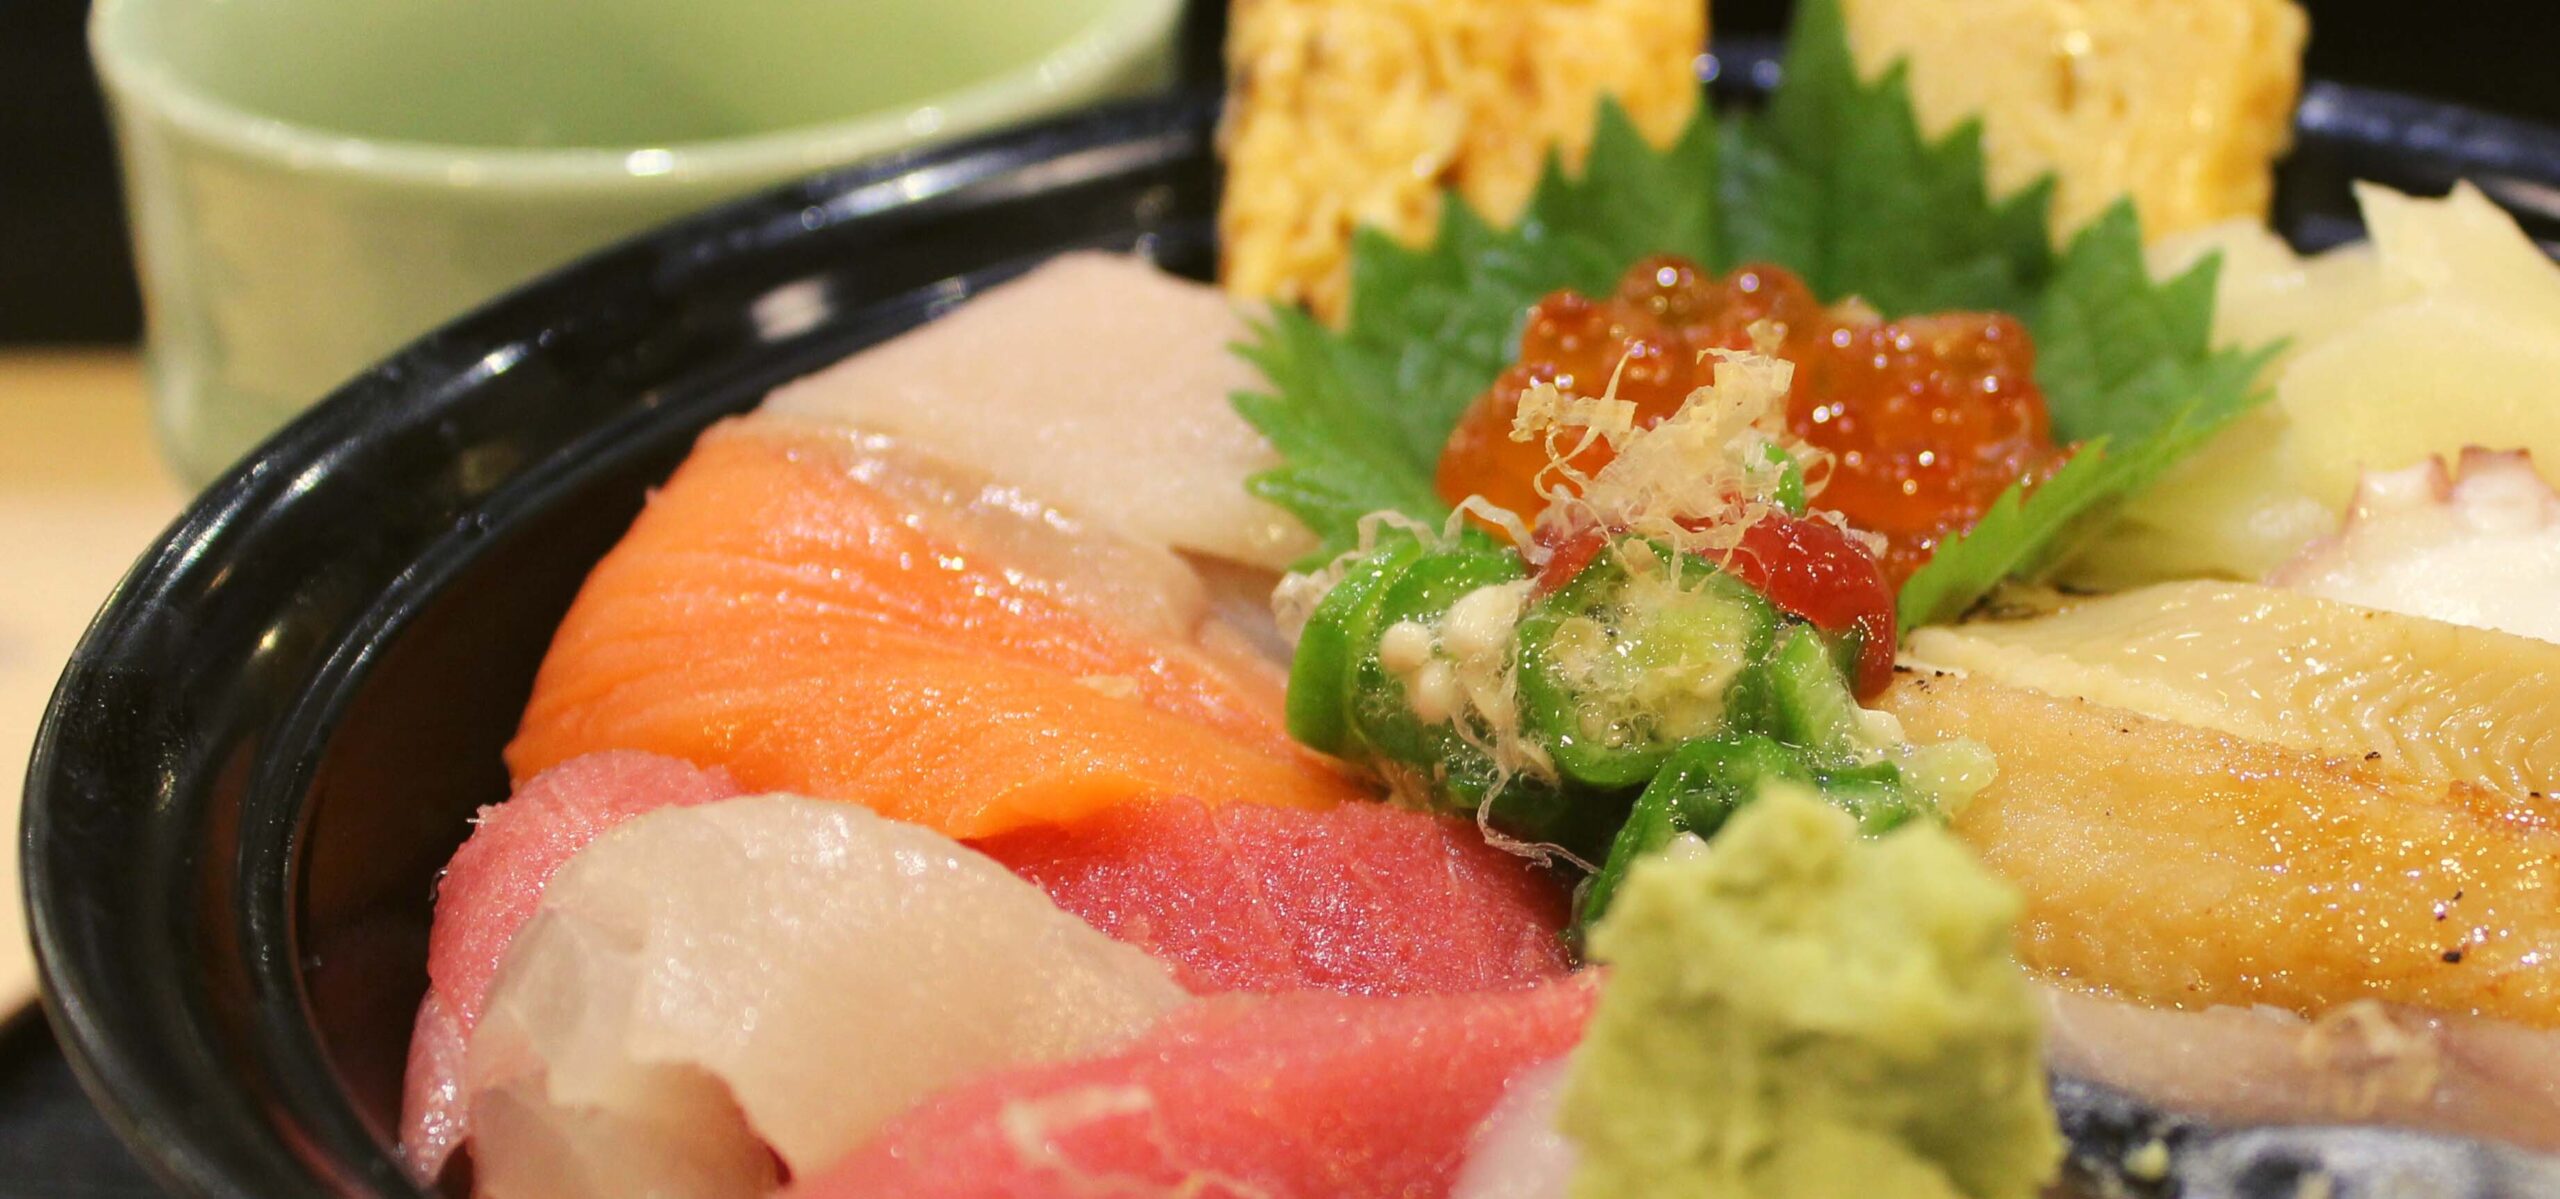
(52, 1143)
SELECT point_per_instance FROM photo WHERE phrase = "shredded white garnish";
(1546, 411)
(1501, 518)
(1695, 481)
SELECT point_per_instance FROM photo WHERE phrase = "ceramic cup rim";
(146, 82)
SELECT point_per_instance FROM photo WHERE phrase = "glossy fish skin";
(2187, 868)
(780, 612)
(2122, 1148)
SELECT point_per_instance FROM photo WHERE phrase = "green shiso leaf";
(1836, 183)
(2124, 358)
(1833, 181)
(1343, 454)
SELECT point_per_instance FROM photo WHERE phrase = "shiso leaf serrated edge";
(1833, 181)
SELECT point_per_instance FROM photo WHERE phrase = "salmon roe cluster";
(1927, 419)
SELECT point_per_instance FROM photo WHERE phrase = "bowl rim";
(147, 1112)
(147, 86)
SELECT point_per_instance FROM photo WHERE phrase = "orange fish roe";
(1927, 419)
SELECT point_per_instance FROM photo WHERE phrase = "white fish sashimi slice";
(1098, 383)
(704, 983)
(2364, 1063)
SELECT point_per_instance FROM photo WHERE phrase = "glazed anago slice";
(2189, 868)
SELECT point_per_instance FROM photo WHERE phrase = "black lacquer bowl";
(277, 729)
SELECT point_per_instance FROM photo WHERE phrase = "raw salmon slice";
(788, 610)
(1305, 1096)
(1360, 898)
(491, 888)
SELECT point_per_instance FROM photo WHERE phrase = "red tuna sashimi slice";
(492, 887)
(1362, 898)
(1305, 1096)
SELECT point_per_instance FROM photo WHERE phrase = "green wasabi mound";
(1797, 1012)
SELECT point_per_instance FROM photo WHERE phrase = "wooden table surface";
(82, 493)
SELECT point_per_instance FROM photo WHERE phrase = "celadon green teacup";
(315, 182)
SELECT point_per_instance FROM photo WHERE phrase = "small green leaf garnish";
(1833, 181)
(2012, 539)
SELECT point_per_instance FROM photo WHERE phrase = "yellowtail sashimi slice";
(704, 983)
(2431, 698)
(1097, 383)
